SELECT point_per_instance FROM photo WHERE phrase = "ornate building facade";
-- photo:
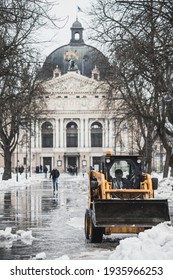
(75, 129)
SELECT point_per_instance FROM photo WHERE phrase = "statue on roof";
(72, 65)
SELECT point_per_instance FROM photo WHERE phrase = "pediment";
(73, 82)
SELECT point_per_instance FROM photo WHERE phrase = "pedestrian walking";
(21, 169)
(83, 171)
(75, 170)
(54, 174)
(45, 171)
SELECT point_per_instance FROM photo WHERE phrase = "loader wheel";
(95, 233)
(154, 183)
(87, 223)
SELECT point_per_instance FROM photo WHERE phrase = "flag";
(79, 9)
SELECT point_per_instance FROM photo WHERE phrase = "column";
(86, 133)
(106, 135)
(36, 134)
(57, 134)
(110, 133)
(81, 133)
(61, 133)
(125, 137)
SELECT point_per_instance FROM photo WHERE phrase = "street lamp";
(31, 134)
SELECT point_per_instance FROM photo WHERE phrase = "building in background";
(75, 129)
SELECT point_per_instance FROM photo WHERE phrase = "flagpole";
(78, 11)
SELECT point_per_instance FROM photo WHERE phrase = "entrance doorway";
(71, 161)
(96, 163)
(48, 162)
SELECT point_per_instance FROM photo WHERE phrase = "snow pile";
(21, 183)
(153, 244)
(40, 256)
(64, 257)
(7, 236)
(25, 236)
(165, 189)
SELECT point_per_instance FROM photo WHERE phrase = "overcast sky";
(66, 11)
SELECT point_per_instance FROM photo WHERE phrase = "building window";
(56, 75)
(72, 134)
(77, 36)
(24, 160)
(47, 135)
(95, 76)
(96, 134)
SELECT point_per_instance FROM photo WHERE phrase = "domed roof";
(77, 24)
(75, 55)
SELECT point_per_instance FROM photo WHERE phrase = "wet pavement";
(56, 221)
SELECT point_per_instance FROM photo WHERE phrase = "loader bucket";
(143, 213)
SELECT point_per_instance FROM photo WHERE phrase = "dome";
(77, 24)
(75, 55)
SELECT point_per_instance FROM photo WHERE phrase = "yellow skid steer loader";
(122, 210)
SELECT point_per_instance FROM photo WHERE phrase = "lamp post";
(30, 155)
(26, 173)
(30, 152)
(17, 166)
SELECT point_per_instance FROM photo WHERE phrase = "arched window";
(96, 134)
(77, 36)
(47, 135)
(72, 134)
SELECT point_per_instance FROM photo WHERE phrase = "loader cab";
(130, 165)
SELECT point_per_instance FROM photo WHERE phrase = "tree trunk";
(167, 162)
(171, 173)
(149, 158)
(147, 151)
(7, 164)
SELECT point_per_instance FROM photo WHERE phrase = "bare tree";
(21, 92)
(138, 36)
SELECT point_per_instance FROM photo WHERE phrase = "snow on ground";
(152, 244)
(155, 243)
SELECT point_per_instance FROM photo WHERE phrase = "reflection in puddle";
(21, 211)
(52, 224)
(24, 208)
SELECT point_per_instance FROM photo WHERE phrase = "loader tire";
(154, 183)
(95, 233)
(87, 223)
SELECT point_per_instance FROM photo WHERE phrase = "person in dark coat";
(45, 171)
(54, 174)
